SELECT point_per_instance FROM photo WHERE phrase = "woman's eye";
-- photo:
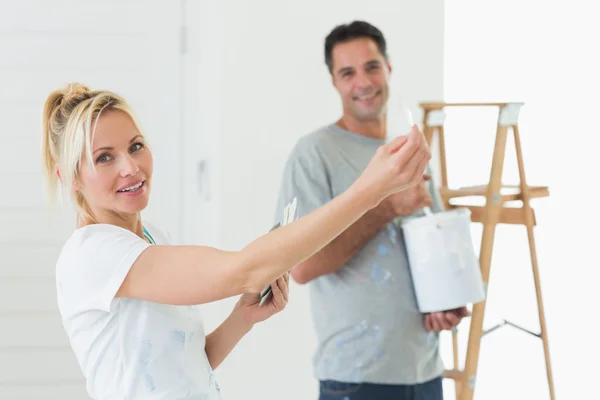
(136, 147)
(103, 158)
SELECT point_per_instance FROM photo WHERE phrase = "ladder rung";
(510, 216)
(508, 192)
(436, 105)
(454, 374)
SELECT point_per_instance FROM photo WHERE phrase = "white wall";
(545, 56)
(274, 87)
(43, 46)
(252, 85)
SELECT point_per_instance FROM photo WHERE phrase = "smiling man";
(373, 343)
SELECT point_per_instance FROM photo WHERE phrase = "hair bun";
(75, 89)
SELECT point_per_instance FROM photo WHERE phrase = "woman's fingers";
(279, 288)
(406, 154)
(278, 298)
(420, 168)
(283, 285)
(412, 158)
(395, 144)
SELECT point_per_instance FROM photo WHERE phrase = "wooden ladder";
(492, 213)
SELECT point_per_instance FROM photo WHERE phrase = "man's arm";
(307, 177)
(337, 253)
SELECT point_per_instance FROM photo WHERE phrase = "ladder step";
(507, 192)
(437, 105)
(455, 374)
(510, 216)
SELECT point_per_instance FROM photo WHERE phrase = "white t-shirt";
(127, 349)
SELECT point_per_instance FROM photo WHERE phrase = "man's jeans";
(332, 390)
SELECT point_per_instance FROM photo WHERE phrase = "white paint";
(436, 118)
(509, 114)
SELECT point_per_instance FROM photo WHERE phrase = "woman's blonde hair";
(69, 119)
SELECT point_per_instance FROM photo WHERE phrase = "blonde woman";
(127, 296)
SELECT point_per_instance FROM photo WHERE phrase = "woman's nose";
(128, 166)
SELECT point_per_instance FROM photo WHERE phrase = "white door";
(129, 46)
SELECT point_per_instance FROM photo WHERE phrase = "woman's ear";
(77, 186)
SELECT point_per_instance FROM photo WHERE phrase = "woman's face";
(121, 181)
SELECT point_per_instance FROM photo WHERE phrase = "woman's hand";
(248, 304)
(246, 313)
(396, 166)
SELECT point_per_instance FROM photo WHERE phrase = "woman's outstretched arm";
(199, 274)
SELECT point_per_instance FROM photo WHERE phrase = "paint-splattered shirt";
(127, 348)
(365, 315)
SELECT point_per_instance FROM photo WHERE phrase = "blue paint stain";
(145, 358)
(378, 354)
(383, 250)
(376, 333)
(145, 352)
(340, 343)
(149, 382)
(392, 233)
(179, 337)
(374, 270)
(379, 274)
(360, 328)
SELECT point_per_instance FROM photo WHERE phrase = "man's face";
(360, 74)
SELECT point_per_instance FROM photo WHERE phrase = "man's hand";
(445, 320)
(410, 200)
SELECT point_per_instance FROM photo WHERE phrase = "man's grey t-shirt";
(365, 314)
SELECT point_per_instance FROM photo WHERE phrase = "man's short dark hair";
(354, 30)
